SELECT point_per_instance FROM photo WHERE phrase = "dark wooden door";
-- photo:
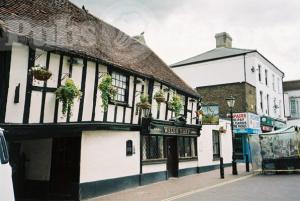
(65, 168)
(172, 163)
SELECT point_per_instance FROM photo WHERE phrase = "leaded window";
(119, 81)
(153, 147)
(187, 147)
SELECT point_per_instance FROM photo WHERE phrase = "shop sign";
(239, 120)
(266, 128)
(246, 120)
(267, 121)
(172, 130)
(253, 121)
(210, 114)
(247, 131)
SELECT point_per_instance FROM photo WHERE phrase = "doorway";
(65, 168)
(172, 154)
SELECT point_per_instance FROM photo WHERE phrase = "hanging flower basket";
(108, 91)
(66, 94)
(160, 97)
(222, 129)
(143, 104)
(40, 73)
(175, 104)
(199, 112)
(146, 105)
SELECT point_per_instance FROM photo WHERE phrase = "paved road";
(256, 188)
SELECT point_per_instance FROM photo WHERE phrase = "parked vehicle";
(6, 184)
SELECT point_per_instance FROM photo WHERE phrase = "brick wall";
(244, 93)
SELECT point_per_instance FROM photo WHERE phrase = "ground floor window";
(153, 147)
(216, 145)
(187, 147)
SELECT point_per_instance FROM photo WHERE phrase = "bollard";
(221, 168)
(247, 163)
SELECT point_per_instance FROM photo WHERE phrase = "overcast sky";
(177, 29)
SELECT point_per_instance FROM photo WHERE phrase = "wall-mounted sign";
(267, 121)
(210, 115)
(246, 123)
(159, 128)
(172, 130)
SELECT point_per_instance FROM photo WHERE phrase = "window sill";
(216, 158)
(188, 159)
(119, 103)
(154, 161)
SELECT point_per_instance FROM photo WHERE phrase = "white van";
(6, 185)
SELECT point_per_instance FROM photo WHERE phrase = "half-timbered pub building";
(88, 151)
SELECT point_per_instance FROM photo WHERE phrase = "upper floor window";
(120, 81)
(259, 73)
(278, 84)
(268, 104)
(266, 77)
(273, 82)
(261, 101)
(294, 108)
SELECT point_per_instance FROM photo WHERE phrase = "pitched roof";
(217, 53)
(291, 85)
(63, 26)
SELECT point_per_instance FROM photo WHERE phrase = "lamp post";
(230, 102)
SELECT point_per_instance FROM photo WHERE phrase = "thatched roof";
(62, 25)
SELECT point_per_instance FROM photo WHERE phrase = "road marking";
(206, 188)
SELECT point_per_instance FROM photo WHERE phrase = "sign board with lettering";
(246, 123)
(166, 128)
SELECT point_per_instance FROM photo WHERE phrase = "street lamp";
(230, 102)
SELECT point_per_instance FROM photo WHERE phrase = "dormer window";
(120, 81)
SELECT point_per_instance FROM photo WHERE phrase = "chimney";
(140, 38)
(223, 40)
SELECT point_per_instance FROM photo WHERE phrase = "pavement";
(257, 188)
(180, 188)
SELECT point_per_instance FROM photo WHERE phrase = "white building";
(292, 102)
(225, 66)
(251, 78)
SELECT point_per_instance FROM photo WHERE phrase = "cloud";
(177, 29)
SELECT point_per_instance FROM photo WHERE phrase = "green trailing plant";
(40, 73)
(160, 96)
(144, 103)
(66, 95)
(108, 91)
(175, 104)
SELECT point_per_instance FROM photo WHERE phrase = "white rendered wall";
(103, 155)
(187, 164)
(216, 72)
(205, 144)
(38, 154)
(76, 77)
(253, 60)
(154, 168)
(89, 92)
(18, 75)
